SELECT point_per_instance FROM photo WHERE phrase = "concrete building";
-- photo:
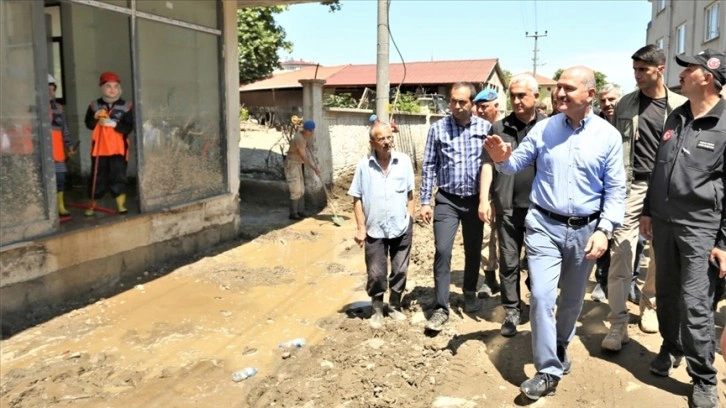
(178, 64)
(686, 27)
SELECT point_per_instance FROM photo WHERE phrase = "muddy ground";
(174, 338)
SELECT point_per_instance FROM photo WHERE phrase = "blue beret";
(487, 95)
(373, 118)
(309, 125)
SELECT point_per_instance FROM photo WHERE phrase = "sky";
(599, 34)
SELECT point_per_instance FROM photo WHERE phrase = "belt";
(641, 176)
(571, 221)
(461, 197)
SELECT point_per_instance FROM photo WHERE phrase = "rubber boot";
(62, 211)
(121, 204)
(89, 211)
(376, 321)
(394, 307)
(293, 210)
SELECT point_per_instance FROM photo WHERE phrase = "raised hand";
(497, 149)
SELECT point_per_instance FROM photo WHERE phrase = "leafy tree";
(407, 102)
(343, 100)
(600, 78)
(507, 76)
(259, 39)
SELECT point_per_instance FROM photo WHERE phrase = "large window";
(681, 39)
(23, 193)
(181, 111)
(711, 22)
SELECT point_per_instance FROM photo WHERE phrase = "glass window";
(659, 43)
(711, 20)
(681, 39)
(203, 13)
(181, 113)
(661, 5)
(22, 189)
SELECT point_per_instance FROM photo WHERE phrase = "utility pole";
(382, 81)
(534, 59)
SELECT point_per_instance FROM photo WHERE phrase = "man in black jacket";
(510, 194)
(685, 208)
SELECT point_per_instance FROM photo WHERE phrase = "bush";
(407, 102)
(244, 114)
(344, 100)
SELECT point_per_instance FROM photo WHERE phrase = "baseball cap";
(487, 95)
(309, 125)
(372, 118)
(108, 77)
(710, 59)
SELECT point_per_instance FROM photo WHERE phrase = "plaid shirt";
(453, 155)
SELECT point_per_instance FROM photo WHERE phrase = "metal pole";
(382, 81)
(535, 59)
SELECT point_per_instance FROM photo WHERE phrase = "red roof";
(542, 80)
(289, 79)
(418, 73)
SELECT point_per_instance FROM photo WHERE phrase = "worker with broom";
(382, 191)
(112, 120)
(296, 157)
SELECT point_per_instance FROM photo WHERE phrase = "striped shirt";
(453, 156)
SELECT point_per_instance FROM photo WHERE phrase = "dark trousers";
(111, 175)
(685, 284)
(377, 252)
(511, 232)
(448, 212)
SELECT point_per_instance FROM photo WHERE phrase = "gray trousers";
(556, 255)
(377, 252)
(685, 286)
(448, 212)
(511, 232)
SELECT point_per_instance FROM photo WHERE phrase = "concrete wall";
(348, 130)
(663, 26)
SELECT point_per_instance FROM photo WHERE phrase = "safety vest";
(56, 131)
(107, 141)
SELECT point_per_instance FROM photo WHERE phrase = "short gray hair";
(525, 79)
(376, 128)
(607, 88)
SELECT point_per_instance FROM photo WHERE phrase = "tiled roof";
(418, 73)
(289, 79)
(542, 80)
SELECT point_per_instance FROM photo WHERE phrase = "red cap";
(108, 77)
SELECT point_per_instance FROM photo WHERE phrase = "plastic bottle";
(294, 343)
(243, 374)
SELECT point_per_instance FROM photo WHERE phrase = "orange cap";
(108, 77)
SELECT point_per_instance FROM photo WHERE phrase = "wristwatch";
(608, 234)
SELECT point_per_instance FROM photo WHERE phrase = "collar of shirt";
(582, 123)
(373, 158)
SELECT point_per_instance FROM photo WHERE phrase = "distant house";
(294, 65)
(284, 92)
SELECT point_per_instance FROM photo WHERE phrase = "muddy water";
(178, 338)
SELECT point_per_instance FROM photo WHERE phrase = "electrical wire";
(398, 88)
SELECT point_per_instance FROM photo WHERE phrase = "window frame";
(661, 5)
(680, 39)
(711, 14)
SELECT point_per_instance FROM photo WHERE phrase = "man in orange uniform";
(112, 120)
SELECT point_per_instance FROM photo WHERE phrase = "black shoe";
(664, 363)
(491, 280)
(704, 395)
(564, 359)
(471, 303)
(541, 385)
(634, 294)
(511, 320)
(437, 320)
(294, 217)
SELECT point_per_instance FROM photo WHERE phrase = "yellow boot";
(89, 211)
(62, 211)
(121, 204)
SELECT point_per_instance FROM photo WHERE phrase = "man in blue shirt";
(453, 160)
(578, 198)
(382, 191)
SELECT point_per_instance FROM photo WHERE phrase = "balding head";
(575, 92)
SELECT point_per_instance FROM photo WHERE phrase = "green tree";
(600, 78)
(259, 38)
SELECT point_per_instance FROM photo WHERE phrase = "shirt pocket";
(400, 184)
(702, 155)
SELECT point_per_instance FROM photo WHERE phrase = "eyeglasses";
(382, 139)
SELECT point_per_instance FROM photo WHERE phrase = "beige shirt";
(297, 143)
